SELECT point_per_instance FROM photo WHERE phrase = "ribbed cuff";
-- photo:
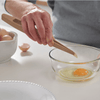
(32, 1)
(4, 6)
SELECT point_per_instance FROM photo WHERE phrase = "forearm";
(31, 16)
(18, 8)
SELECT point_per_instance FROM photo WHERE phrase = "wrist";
(29, 8)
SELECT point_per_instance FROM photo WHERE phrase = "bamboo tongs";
(17, 24)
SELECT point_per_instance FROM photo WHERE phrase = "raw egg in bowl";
(70, 68)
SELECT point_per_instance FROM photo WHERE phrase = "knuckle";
(28, 16)
(23, 18)
(31, 30)
(40, 28)
(48, 30)
(45, 14)
(36, 13)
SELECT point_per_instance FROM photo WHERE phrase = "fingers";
(48, 29)
(29, 28)
(32, 30)
(40, 28)
(25, 27)
(43, 23)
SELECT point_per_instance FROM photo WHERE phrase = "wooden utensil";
(17, 24)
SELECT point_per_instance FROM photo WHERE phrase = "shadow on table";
(10, 62)
(14, 62)
(28, 53)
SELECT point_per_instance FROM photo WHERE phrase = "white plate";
(20, 90)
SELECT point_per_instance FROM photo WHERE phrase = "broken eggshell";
(4, 35)
(3, 32)
(6, 38)
(24, 47)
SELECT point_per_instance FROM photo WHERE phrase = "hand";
(40, 19)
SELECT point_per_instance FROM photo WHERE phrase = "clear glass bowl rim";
(75, 62)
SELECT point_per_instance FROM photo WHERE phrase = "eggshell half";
(24, 47)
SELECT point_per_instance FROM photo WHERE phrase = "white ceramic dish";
(20, 90)
(8, 48)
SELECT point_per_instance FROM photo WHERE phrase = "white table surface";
(35, 66)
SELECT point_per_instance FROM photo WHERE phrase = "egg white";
(67, 73)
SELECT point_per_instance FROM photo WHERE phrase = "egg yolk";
(80, 72)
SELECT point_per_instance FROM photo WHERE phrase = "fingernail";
(50, 44)
(39, 42)
(44, 41)
(47, 40)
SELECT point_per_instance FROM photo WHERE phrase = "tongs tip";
(75, 55)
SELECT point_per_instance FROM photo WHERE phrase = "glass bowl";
(70, 68)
